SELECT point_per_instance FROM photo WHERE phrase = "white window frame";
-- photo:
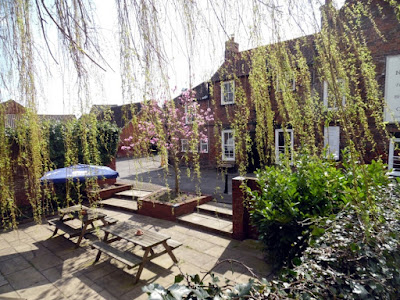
(203, 143)
(339, 81)
(188, 120)
(293, 85)
(329, 137)
(391, 156)
(277, 147)
(224, 158)
(224, 95)
(184, 145)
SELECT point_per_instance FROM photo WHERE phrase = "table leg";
(56, 229)
(141, 266)
(99, 253)
(82, 234)
(168, 248)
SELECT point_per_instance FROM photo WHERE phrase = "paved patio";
(34, 266)
(146, 173)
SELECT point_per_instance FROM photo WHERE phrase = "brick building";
(230, 90)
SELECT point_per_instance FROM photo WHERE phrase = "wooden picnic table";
(87, 217)
(148, 240)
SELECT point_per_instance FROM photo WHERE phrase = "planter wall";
(169, 211)
(106, 193)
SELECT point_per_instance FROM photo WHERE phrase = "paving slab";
(217, 208)
(133, 193)
(202, 221)
(130, 205)
(71, 273)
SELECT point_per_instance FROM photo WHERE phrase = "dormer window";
(227, 92)
(329, 97)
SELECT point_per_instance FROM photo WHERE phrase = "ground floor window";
(228, 145)
(184, 145)
(283, 144)
(394, 157)
(332, 141)
(204, 146)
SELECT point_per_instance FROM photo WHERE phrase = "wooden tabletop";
(76, 209)
(127, 232)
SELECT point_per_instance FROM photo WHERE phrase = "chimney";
(326, 14)
(231, 48)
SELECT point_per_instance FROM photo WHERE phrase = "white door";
(332, 141)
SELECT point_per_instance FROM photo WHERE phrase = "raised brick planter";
(169, 211)
(105, 193)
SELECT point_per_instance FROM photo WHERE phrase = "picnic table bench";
(153, 244)
(88, 218)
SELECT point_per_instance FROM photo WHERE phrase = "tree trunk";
(176, 170)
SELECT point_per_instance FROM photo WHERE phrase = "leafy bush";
(346, 261)
(291, 197)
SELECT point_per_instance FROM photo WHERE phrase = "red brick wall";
(242, 228)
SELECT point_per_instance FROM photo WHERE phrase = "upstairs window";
(227, 92)
(394, 157)
(283, 144)
(332, 141)
(329, 96)
(228, 145)
(189, 113)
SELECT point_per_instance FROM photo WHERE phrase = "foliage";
(194, 287)
(169, 126)
(107, 141)
(291, 197)
(345, 259)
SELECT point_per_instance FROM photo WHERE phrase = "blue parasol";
(79, 172)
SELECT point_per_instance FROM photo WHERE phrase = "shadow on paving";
(54, 269)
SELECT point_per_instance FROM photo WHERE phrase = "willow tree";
(39, 38)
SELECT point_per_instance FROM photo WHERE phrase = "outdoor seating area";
(134, 235)
(39, 262)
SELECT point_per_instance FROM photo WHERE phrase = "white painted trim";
(224, 158)
(184, 142)
(332, 140)
(223, 102)
(277, 152)
(391, 152)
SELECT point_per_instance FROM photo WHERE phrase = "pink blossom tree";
(176, 129)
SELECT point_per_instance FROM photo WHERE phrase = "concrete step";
(219, 210)
(122, 204)
(132, 194)
(207, 223)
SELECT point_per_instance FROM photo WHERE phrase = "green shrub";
(291, 197)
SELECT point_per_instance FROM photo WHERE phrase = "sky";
(214, 23)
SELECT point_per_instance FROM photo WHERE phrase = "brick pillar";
(242, 228)
(238, 209)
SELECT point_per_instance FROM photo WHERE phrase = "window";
(329, 97)
(227, 92)
(204, 146)
(288, 84)
(283, 143)
(332, 141)
(228, 145)
(189, 113)
(184, 145)
(394, 157)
